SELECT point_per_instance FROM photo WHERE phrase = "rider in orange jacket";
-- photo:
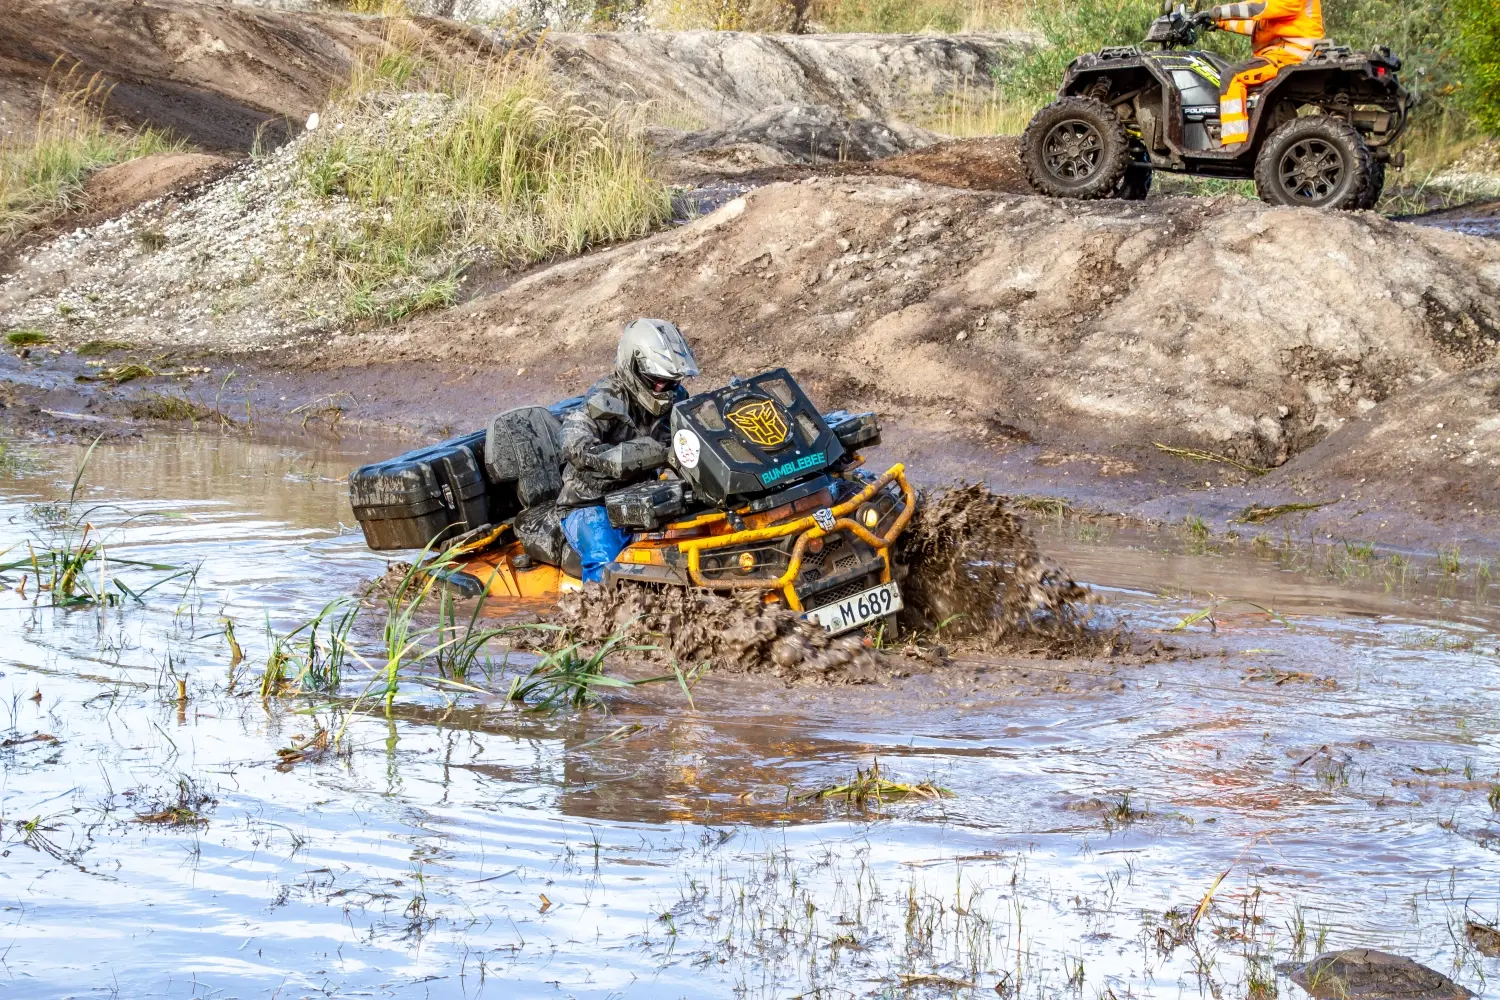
(1282, 33)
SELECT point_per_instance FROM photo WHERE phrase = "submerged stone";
(1367, 974)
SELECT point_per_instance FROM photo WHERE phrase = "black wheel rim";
(1072, 151)
(1312, 170)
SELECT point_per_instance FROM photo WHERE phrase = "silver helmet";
(652, 360)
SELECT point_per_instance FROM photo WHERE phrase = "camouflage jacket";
(610, 442)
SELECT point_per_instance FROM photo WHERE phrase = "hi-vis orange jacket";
(1291, 26)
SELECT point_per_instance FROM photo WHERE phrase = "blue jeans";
(596, 541)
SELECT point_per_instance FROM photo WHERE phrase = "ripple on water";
(1339, 772)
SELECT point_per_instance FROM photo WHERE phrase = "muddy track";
(218, 76)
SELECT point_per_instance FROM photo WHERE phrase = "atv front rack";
(807, 529)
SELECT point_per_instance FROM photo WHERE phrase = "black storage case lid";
(419, 482)
(397, 487)
(647, 506)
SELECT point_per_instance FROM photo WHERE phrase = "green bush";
(1068, 29)
(1421, 32)
(1478, 48)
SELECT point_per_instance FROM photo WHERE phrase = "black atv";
(1320, 132)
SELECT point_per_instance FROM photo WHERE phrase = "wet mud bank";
(1407, 498)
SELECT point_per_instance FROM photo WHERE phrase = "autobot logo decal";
(760, 422)
(825, 518)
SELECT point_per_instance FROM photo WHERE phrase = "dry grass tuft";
(41, 178)
(430, 167)
(979, 110)
(872, 787)
(882, 16)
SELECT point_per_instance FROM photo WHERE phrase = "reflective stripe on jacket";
(1289, 25)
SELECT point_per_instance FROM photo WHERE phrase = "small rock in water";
(1484, 938)
(1367, 974)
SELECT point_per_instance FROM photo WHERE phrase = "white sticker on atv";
(685, 443)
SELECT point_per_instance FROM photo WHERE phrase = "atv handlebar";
(1179, 27)
(1174, 30)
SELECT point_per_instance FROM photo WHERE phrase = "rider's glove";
(641, 454)
(1204, 20)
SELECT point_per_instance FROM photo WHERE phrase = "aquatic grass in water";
(311, 663)
(187, 808)
(873, 786)
(569, 676)
(69, 564)
(572, 676)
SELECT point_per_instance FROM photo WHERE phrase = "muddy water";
(1334, 761)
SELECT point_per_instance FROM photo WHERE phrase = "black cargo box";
(854, 430)
(423, 496)
(647, 506)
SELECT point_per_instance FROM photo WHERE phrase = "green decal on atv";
(779, 473)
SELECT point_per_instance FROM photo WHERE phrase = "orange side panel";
(494, 568)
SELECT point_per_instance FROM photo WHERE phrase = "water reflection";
(1339, 770)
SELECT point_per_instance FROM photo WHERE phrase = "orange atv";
(764, 494)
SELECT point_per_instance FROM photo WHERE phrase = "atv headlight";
(869, 516)
(747, 561)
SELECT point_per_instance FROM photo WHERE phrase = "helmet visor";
(660, 385)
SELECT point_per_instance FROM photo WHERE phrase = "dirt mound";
(810, 134)
(218, 75)
(1440, 442)
(1220, 324)
(988, 164)
(698, 79)
(124, 186)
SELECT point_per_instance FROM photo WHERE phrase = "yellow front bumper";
(807, 529)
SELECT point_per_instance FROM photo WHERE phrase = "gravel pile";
(222, 266)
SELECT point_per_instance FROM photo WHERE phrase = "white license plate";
(852, 612)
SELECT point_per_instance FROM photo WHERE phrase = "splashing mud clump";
(973, 572)
(741, 634)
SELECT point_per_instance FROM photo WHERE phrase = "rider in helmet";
(1282, 33)
(619, 435)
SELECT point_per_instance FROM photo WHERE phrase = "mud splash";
(973, 573)
(740, 634)
(970, 572)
